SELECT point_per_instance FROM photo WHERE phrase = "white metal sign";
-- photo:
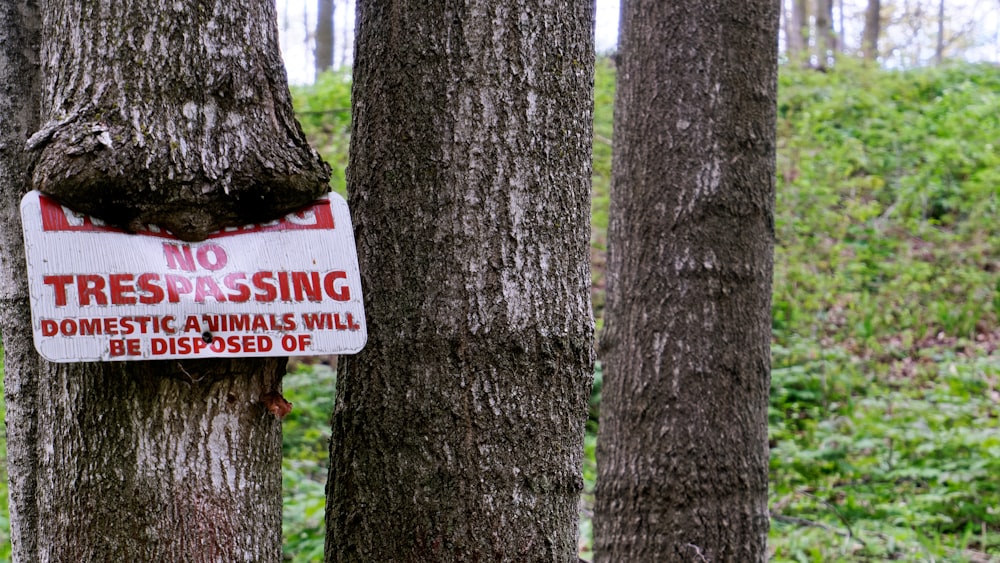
(286, 288)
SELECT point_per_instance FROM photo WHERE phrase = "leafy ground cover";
(885, 401)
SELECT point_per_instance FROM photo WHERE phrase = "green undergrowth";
(884, 420)
(884, 413)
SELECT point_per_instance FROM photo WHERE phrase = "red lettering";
(329, 284)
(178, 257)
(49, 327)
(119, 289)
(264, 343)
(90, 287)
(67, 327)
(90, 327)
(219, 258)
(283, 285)
(59, 284)
(237, 281)
(151, 293)
(260, 282)
(306, 285)
(176, 286)
(206, 287)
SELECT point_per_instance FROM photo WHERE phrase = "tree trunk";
(458, 431)
(826, 39)
(178, 114)
(173, 113)
(939, 48)
(682, 449)
(797, 33)
(869, 40)
(19, 85)
(324, 36)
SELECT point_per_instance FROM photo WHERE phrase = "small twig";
(697, 551)
(809, 524)
(191, 379)
(841, 517)
(324, 111)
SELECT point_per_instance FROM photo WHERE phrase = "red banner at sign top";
(57, 217)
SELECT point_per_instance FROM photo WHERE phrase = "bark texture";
(169, 113)
(869, 39)
(458, 431)
(147, 467)
(19, 85)
(682, 452)
(173, 113)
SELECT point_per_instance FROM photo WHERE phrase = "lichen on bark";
(175, 114)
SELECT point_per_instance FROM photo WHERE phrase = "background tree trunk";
(939, 48)
(458, 431)
(19, 86)
(826, 38)
(682, 450)
(869, 40)
(175, 113)
(798, 33)
(324, 36)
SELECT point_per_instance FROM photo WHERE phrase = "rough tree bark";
(869, 38)
(19, 86)
(324, 36)
(458, 431)
(682, 450)
(173, 113)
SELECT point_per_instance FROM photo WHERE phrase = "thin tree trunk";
(869, 41)
(798, 32)
(826, 40)
(324, 36)
(20, 77)
(939, 50)
(458, 431)
(682, 450)
(174, 113)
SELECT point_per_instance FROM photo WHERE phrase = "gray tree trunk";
(869, 39)
(19, 86)
(682, 449)
(324, 36)
(178, 114)
(797, 33)
(192, 100)
(826, 38)
(939, 48)
(458, 431)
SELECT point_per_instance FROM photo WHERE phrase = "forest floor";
(885, 403)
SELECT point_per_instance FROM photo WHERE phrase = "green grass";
(885, 403)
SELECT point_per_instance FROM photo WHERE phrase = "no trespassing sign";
(286, 288)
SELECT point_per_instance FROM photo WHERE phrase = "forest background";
(885, 401)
